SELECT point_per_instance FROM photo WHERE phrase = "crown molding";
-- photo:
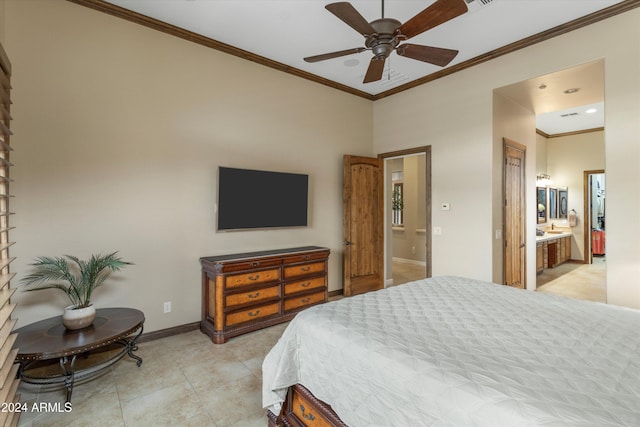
(155, 24)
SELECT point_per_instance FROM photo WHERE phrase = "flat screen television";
(251, 199)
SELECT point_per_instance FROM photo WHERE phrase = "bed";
(452, 351)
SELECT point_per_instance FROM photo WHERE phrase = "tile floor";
(579, 281)
(403, 272)
(185, 380)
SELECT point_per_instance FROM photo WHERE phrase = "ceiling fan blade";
(350, 16)
(433, 55)
(324, 56)
(375, 70)
(438, 13)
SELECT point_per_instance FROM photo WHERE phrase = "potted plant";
(77, 279)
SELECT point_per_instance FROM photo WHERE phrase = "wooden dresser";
(248, 291)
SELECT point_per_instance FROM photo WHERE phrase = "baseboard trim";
(163, 333)
(337, 293)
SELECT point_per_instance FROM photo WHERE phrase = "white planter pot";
(78, 318)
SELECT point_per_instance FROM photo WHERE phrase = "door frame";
(426, 150)
(588, 251)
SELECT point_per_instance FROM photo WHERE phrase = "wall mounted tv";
(251, 199)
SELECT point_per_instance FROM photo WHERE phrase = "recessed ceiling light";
(542, 86)
(591, 111)
(572, 90)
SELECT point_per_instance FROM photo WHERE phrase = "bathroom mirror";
(563, 209)
(553, 203)
(541, 205)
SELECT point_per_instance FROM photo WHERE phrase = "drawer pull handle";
(306, 284)
(256, 277)
(308, 416)
(253, 313)
(255, 264)
(305, 268)
(305, 300)
(252, 296)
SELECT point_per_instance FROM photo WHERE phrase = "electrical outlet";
(167, 307)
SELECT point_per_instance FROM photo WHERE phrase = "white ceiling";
(286, 31)
(560, 100)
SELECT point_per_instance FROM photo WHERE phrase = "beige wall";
(454, 116)
(2, 21)
(119, 131)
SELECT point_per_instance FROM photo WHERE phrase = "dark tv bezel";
(277, 227)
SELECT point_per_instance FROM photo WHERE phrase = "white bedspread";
(450, 351)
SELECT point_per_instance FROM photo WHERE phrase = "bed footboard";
(303, 409)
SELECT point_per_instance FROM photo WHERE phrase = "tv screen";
(261, 199)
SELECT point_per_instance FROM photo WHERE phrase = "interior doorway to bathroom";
(595, 216)
(407, 213)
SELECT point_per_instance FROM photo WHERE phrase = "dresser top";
(260, 254)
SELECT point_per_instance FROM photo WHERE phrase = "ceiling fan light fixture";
(382, 36)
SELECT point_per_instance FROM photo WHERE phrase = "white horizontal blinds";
(8, 369)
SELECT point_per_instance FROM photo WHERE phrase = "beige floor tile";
(148, 378)
(578, 281)
(235, 401)
(98, 410)
(404, 272)
(170, 406)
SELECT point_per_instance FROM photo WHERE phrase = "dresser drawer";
(307, 413)
(303, 285)
(252, 278)
(303, 269)
(252, 314)
(302, 301)
(253, 296)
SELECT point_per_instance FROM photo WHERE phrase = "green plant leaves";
(77, 278)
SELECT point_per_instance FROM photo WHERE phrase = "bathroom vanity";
(552, 249)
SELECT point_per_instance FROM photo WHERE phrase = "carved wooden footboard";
(303, 409)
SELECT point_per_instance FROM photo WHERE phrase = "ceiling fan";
(384, 35)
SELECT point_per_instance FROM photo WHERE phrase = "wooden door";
(514, 214)
(363, 224)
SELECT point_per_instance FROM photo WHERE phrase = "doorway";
(407, 215)
(595, 216)
(567, 141)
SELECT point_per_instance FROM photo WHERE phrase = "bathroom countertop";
(552, 236)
